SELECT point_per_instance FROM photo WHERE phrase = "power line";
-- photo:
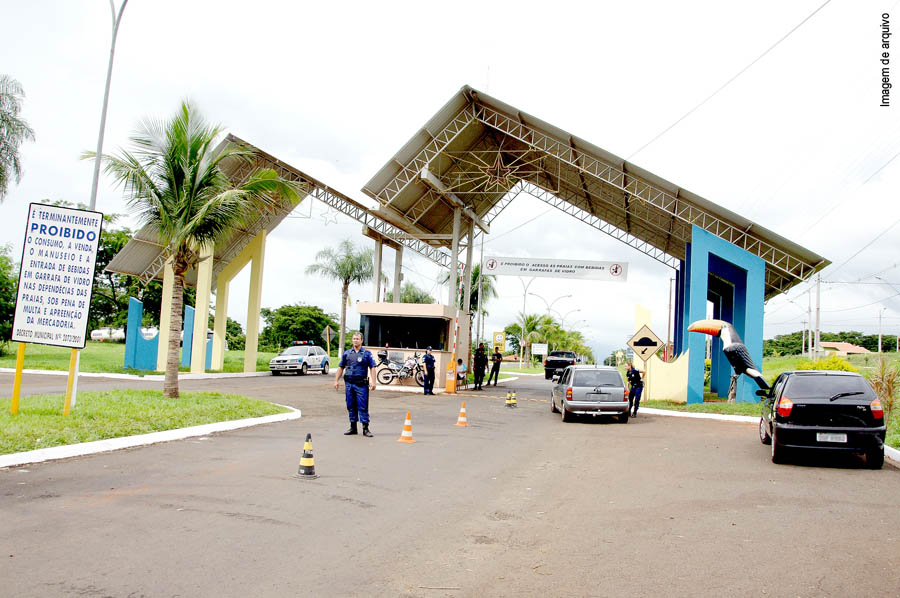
(866, 246)
(724, 85)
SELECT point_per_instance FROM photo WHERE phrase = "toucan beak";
(710, 327)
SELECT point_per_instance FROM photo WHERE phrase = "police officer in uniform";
(496, 360)
(480, 362)
(358, 368)
(428, 358)
(636, 380)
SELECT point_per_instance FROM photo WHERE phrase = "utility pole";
(803, 340)
(818, 321)
(522, 330)
(809, 336)
(880, 312)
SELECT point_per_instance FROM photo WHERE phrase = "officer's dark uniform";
(428, 358)
(480, 361)
(637, 386)
(356, 366)
(495, 368)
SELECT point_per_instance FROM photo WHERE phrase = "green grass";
(115, 413)
(513, 368)
(107, 358)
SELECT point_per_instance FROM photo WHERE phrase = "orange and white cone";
(406, 436)
(461, 422)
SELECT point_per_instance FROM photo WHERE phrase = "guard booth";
(404, 329)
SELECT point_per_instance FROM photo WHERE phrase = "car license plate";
(829, 437)
(601, 396)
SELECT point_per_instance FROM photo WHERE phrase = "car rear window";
(568, 354)
(597, 378)
(804, 386)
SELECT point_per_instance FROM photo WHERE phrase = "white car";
(108, 334)
(301, 359)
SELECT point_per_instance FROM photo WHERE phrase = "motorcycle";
(411, 368)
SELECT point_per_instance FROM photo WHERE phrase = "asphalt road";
(516, 504)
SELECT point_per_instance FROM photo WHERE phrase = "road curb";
(114, 444)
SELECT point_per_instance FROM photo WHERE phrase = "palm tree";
(174, 181)
(410, 293)
(488, 288)
(535, 330)
(346, 265)
(13, 131)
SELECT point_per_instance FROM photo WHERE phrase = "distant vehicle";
(300, 358)
(557, 361)
(108, 334)
(590, 390)
(824, 410)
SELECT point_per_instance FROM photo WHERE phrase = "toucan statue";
(735, 350)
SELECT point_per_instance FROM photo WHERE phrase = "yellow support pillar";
(73, 367)
(218, 352)
(17, 381)
(254, 301)
(165, 316)
(201, 310)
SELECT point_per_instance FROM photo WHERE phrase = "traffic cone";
(307, 469)
(514, 404)
(508, 399)
(461, 422)
(406, 436)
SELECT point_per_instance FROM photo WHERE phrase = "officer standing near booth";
(358, 368)
(428, 358)
(480, 362)
(496, 360)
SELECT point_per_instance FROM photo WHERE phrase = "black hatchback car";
(821, 409)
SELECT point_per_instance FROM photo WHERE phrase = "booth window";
(404, 332)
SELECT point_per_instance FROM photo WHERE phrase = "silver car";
(590, 390)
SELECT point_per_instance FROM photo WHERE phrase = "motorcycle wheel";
(384, 376)
(420, 378)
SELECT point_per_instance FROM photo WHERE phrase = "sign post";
(644, 343)
(56, 281)
(326, 336)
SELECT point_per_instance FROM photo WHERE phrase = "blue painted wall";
(140, 353)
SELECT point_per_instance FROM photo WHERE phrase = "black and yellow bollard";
(513, 404)
(508, 399)
(307, 469)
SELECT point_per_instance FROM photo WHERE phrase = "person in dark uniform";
(358, 368)
(496, 360)
(479, 363)
(428, 358)
(636, 380)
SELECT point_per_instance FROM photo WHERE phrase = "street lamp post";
(562, 319)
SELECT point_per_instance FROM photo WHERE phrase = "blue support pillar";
(731, 265)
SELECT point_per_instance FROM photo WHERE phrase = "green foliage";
(885, 380)
(832, 362)
(410, 293)
(541, 328)
(9, 281)
(13, 132)
(290, 323)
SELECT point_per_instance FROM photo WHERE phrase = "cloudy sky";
(797, 142)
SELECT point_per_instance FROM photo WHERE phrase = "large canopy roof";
(143, 256)
(477, 153)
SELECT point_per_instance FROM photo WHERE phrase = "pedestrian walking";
(479, 364)
(357, 366)
(428, 358)
(496, 360)
(636, 380)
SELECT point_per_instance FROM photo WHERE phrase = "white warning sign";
(57, 276)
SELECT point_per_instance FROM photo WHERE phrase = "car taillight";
(877, 410)
(573, 362)
(784, 406)
(625, 394)
(569, 394)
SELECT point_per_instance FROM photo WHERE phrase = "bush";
(832, 362)
(885, 381)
